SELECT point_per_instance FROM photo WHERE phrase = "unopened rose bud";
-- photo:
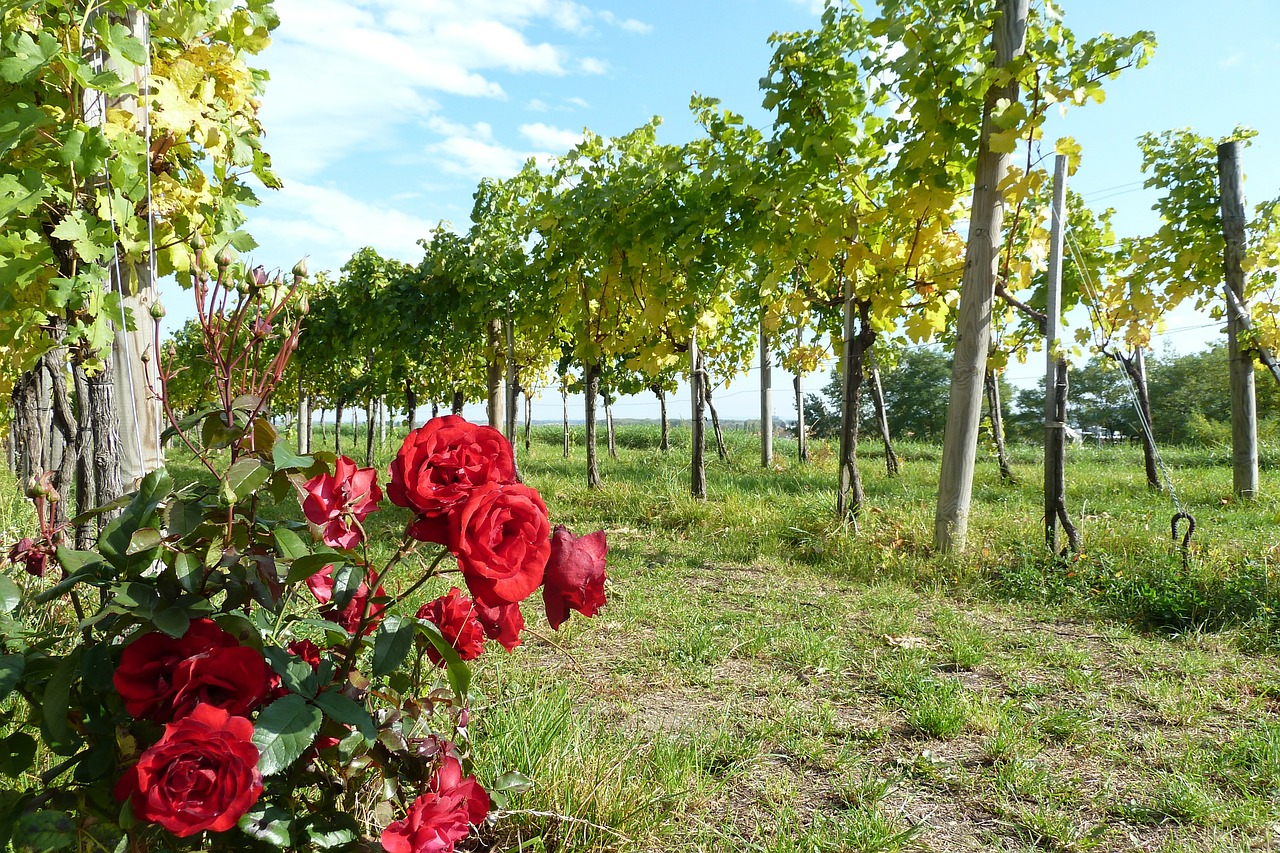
(224, 258)
(300, 269)
(256, 277)
(35, 489)
(304, 305)
(197, 241)
(204, 277)
(157, 311)
(145, 357)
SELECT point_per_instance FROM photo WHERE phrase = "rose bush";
(222, 677)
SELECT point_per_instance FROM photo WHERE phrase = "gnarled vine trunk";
(592, 391)
(996, 414)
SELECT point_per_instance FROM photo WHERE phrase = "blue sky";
(382, 115)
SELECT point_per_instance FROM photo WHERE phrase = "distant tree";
(915, 398)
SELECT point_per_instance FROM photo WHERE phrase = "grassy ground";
(764, 679)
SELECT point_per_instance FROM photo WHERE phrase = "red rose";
(501, 538)
(438, 467)
(201, 774)
(321, 586)
(454, 615)
(449, 781)
(502, 624)
(236, 679)
(33, 557)
(338, 501)
(575, 575)
(433, 824)
(159, 675)
(306, 650)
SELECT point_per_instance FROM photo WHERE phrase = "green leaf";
(513, 782)
(346, 583)
(57, 704)
(23, 55)
(269, 823)
(238, 626)
(245, 476)
(10, 594)
(74, 562)
(11, 669)
(174, 621)
(144, 539)
(63, 586)
(116, 536)
(17, 752)
(332, 832)
(459, 672)
(392, 644)
(289, 544)
(283, 457)
(343, 709)
(188, 569)
(304, 567)
(284, 730)
(44, 830)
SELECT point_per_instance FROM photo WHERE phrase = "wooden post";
(766, 398)
(698, 475)
(512, 384)
(138, 410)
(591, 391)
(1055, 484)
(493, 376)
(802, 439)
(891, 465)
(973, 329)
(1244, 407)
(304, 415)
(564, 405)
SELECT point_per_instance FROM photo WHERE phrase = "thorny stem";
(407, 545)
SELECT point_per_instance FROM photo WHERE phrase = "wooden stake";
(1244, 407)
(766, 399)
(1055, 482)
(973, 330)
(698, 485)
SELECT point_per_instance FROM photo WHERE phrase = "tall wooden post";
(766, 398)
(512, 385)
(1055, 476)
(1244, 407)
(493, 375)
(134, 367)
(802, 437)
(973, 330)
(698, 476)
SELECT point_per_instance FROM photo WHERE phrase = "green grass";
(766, 679)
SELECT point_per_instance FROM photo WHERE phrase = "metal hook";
(1186, 537)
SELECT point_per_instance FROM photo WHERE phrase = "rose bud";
(300, 269)
(224, 258)
(157, 311)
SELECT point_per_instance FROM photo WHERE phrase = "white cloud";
(631, 25)
(345, 76)
(477, 158)
(579, 102)
(538, 106)
(330, 226)
(816, 7)
(550, 138)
